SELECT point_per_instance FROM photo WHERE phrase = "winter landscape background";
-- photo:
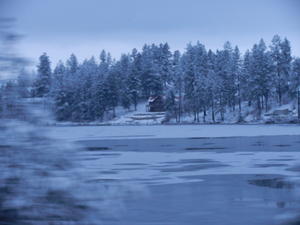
(208, 86)
(187, 117)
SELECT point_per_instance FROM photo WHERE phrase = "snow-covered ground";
(284, 114)
(138, 117)
(142, 117)
(169, 131)
(249, 115)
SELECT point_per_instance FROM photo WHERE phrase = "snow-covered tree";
(260, 80)
(281, 56)
(72, 64)
(165, 63)
(237, 75)
(178, 81)
(170, 105)
(41, 86)
(201, 80)
(295, 78)
(112, 91)
(213, 84)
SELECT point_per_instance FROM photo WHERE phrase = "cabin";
(156, 104)
(280, 112)
(283, 112)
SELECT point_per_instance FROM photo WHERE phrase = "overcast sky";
(85, 27)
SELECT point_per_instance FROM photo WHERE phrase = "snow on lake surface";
(169, 168)
(243, 180)
(169, 131)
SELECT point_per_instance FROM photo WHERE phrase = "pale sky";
(85, 27)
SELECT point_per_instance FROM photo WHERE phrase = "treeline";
(197, 81)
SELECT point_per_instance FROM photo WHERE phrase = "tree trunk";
(279, 87)
(114, 112)
(258, 107)
(180, 105)
(213, 111)
(266, 102)
(239, 100)
(279, 95)
(222, 110)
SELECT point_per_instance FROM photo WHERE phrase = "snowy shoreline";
(170, 131)
(79, 124)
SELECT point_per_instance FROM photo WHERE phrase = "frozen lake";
(195, 180)
(158, 175)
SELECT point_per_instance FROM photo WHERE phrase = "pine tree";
(236, 70)
(151, 81)
(212, 83)
(41, 86)
(62, 105)
(221, 61)
(125, 98)
(245, 78)
(63, 91)
(112, 92)
(295, 78)
(281, 55)
(165, 63)
(195, 80)
(58, 77)
(133, 89)
(105, 63)
(286, 60)
(72, 64)
(100, 101)
(90, 68)
(177, 72)
(261, 76)
(134, 78)
(170, 105)
(229, 75)
(201, 88)
(189, 80)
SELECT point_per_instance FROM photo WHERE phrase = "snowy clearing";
(169, 131)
